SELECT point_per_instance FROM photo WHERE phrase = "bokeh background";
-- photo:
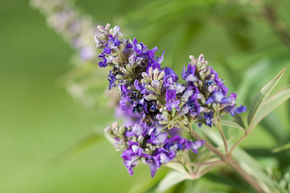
(247, 42)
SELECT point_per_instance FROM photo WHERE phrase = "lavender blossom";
(152, 95)
(152, 145)
(209, 94)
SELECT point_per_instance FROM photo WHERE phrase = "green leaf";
(144, 183)
(178, 167)
(232, 124)
(78, 147)
(171, 179)
(271, 104)
(238, 119)
(246, 82)
(282, 148)
(285, 181)
(261, 97)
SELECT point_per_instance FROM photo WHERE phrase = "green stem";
(218, 125)
(206, 163)
(210, 168)
(228, 159)
(238, 142)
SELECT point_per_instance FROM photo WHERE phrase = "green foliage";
(261, 97)
(285, 181)
(272, 103)
(282, 148)
(171, 179)
(232, 124)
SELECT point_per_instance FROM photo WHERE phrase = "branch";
(227, 159)
(238, 142)
(218, 125)
(203, 172)
(206, 163)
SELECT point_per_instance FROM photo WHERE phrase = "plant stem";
(238, 142)
(218, 125)
(210, 168)
(231, 162)
(206, 163)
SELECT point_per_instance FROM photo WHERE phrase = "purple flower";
(193, 106)
(148, 92)
(112, 80)
(150, 143)
(153, 167)
(138, 47)
(107, 50)
(130, 160)
(174, 132)
(170, 95)
(102, 63)
(162, 156)
(160, 59)
(158, 138)
(196, 145)
(170, 99)
(219, 83)
(238, 110)
(189, 73)
(216, 97)
(138, 86)
(170, 77)
(208, 117)
(112, 43)
(153, 61)
(151, 54)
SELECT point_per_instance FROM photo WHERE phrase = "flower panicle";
(153, 100)
(210, 92)
(151, 145)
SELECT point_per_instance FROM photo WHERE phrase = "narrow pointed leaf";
(232, 124)
(144, 183)
(239, 120)
(282, 148)
(262, 96)
(177, 167)
(285, 181)
(170, 180)
(271, 104)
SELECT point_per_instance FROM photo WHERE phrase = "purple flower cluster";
(154, 97)
(152, 145)
(208, 95)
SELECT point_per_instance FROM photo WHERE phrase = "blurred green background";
(39, 119)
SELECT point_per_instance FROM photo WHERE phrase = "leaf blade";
(232, 124)
(282, 148)
(170, 180)
(272, 103)
(177, 166)
(262, 96)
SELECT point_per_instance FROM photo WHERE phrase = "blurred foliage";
(246, 41)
